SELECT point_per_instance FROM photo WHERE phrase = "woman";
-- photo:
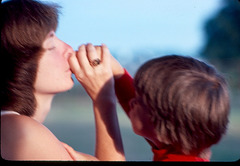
(36, 67)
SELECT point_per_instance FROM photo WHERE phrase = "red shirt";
(125, 91)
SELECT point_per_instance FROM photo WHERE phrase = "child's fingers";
(105, 56)
(74, 65)
(70, 151)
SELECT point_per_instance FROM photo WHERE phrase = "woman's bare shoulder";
(22, 126)
(19, 123)
(23, 138)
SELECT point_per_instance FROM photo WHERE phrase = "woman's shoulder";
(23, 138)
(22, 126)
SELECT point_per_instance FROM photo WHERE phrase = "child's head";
(185, 99)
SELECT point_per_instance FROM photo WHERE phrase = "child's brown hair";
(187, 99)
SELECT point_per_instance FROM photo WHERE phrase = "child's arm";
(124, 90)
(124, 87)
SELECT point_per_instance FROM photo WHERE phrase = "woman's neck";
(44, 102)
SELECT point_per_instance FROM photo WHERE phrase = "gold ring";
(95, 62)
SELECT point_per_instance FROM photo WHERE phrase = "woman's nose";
(69, 51)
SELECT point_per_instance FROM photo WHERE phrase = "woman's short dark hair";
(24, 26)
(187, 99)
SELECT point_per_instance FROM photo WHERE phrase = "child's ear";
(132, 103)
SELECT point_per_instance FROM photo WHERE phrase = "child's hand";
(117, 69)
(77, 155)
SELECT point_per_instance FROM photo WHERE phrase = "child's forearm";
(124, 89)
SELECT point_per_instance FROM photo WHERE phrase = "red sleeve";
(125, 90)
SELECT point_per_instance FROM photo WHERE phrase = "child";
(180, 105)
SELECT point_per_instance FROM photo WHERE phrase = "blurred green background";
(71, 118)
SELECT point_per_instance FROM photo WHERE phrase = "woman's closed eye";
(50, 41)
(51, 48)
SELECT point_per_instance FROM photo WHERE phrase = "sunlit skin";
(54, 74)
(26, 138)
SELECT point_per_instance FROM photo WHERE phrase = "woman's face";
(54, 74)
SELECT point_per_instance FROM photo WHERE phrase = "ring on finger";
(95, 62)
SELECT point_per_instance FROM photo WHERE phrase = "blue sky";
(129, 25)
